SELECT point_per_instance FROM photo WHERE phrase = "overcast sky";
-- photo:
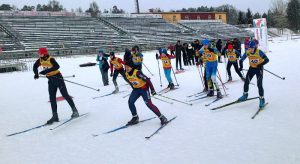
(166, 5)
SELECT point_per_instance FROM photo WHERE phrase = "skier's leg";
(132, 99)
(148, 102)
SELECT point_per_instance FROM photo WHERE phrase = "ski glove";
(43, 72)
(36, 76)
(111, 74)
(153, 92)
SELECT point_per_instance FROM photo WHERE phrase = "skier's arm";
(36, 66)
(121, 61)
(111, 67)
(238, 53)
(242, 60)
(264, 56)
(146, 79)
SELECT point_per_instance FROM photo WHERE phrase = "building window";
(174, 18)
(209, 16)
(186, 17)
(198, 17)
(220, 16)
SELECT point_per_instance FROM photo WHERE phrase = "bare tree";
(278, 9)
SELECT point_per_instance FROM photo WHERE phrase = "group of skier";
(206, 56)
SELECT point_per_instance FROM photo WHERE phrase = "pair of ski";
(166, 90)
(237, 102)
(142, 121)
(108, 94)
(44, 125)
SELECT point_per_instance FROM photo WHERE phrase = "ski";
(213, 101)
(196, 94)
(259, 110)
(108, 94)
(201, 94)
(232, 81)
(203, 97)
(234, 102)
(68, 121)
(166, 91)
(122, 127)
(161, 127)
(24, 131)
(163, 90)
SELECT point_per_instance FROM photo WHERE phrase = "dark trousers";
(56, 82)
(259, 75)
(104, 75)
(178, 61)
(197, 59)
(115, 75)
(236, 67)
(185, 59)
(205, 81)
(191, 60)
(135, 94)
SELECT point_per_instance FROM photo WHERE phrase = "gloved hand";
(111, 74)
(36, 76)
(153, 92)
(43, 72)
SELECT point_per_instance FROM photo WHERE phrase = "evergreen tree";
(249, 17)
(241, 18)
(293, 14)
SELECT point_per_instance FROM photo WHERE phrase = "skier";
(178, 50)
(116, 68)
(167, 65)
(171, 48)
(210, 58)
(137, 57)
(233, 56)
(102, 56)
(184, 54)
(55, 81)
(140, 84)
(257, 59)
(190, 54)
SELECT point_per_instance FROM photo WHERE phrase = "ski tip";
(147, 138)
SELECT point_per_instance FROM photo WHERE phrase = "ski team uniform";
(256, 62)
(166, 61)
(210, 58)
(233, 57)
(116, 68)
(137, 59)
(140, 84)
(55, 81)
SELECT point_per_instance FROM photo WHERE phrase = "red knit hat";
(230, 47)
(43, 51)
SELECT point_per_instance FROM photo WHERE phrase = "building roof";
(182, 13)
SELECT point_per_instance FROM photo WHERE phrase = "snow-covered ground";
(198, 135)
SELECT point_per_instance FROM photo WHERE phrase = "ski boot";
(133, 121)
(53, 119)
(163, 120)
(116, 90)
(181, 69)
(75, 113)
(229, 78)
(219, 95)
(210, 93)
(169, 86)
(244, 97)
(261, 102)
(172, 86)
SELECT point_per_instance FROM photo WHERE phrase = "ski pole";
(201, 77)
(69, 76)
(282, 78)
(126, 95)
(159, 73)
(148, 69)
(225, 67)
(74, 83)
(175, 76)
(174, 99)
(223, 85)
(162, 100)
